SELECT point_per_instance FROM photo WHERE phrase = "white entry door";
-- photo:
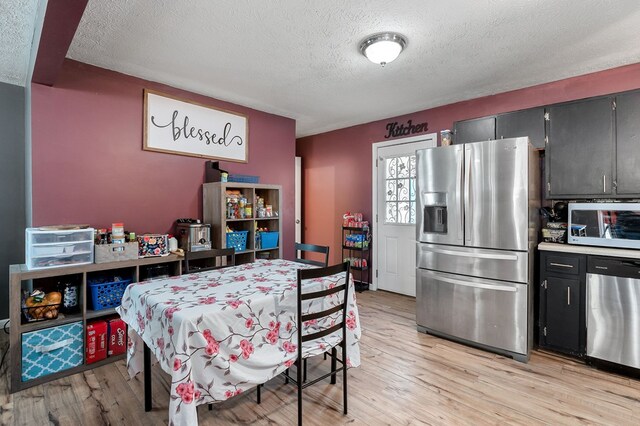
(394, 244)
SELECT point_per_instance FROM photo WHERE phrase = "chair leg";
(210, 407)
(304, 371)
(258, 394)
(286, 376)
(325, 356)
(333, 365)
(299, 377)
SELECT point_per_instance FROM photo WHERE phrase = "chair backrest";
(315, 249)
(217, 259)
(341, 286)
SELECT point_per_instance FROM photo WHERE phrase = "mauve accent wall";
(89, 166)
(337, 165)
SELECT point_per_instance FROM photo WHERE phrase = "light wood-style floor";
(406, 378)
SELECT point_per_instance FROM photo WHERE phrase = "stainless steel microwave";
(605, 224)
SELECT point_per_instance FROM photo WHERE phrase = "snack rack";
(356, 248)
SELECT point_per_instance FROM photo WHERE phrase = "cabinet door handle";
(568, 296)
(561, 265)
(604, 183)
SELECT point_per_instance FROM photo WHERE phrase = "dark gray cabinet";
(580, 149)
(562, 302)
(628, 144)
(528, 122)
(476, 130)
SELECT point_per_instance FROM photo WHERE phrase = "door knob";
(297, 221)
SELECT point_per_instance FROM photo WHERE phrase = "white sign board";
(183, 127)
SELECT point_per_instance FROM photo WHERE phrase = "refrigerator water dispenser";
(435, 212)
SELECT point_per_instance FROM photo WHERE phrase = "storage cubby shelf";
(20, 274)
(214, 196)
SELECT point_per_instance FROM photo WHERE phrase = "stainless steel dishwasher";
(613, 310)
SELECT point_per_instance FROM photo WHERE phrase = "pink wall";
(337, 164)
(89, 166)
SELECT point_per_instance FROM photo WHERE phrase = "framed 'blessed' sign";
(183, 127)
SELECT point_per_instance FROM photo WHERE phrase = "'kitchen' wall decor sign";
(396, 129)
(177, 126)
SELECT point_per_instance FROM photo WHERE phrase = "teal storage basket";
(237, 240)
(52, 350)
(269, 239)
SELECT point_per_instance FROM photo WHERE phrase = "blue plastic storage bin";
(244, 178)
(105, 295)
(51, 350)
(269, 239)
(237, 240)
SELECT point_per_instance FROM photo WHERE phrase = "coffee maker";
(193, 235)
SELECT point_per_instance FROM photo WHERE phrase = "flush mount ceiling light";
(383, 48)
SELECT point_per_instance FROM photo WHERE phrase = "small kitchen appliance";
(194, 236)
(605, 224)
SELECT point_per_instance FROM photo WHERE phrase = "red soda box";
(96, 342)
(117, 337)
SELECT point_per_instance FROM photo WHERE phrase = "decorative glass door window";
(400, 183)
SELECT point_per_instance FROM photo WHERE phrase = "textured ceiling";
(300, 59)
(17, 21)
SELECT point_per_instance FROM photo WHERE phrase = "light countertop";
(598, 251)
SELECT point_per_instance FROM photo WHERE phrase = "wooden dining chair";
(207, 260)
(310, 342)
(301, 248)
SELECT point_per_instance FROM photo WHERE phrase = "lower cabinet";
(562, 325)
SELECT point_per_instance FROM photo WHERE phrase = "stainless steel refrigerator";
(477, 228)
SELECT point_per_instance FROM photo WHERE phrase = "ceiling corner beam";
(61, 21)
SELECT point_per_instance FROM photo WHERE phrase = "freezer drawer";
(487, 312)
(613, 319)
(493, 264)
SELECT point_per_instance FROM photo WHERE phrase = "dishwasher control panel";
(619, 267)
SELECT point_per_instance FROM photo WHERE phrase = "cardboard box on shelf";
(96, 346)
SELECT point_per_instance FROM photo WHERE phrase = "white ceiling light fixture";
(383, 48)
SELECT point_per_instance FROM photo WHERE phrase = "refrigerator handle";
(467, 190)
(459, 191)
(471, 283)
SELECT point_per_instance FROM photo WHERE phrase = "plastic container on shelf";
(269, 240)
(47, 248)
(243, 178)
(237, 240)
(107, 294)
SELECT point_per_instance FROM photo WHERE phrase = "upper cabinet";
(528, 122)
(580, 151)
(592, 146)
(476, 130)
(628, 144)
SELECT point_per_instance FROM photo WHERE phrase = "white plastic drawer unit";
(51, 249)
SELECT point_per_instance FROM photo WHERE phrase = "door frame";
(374, 195)
(298, 200)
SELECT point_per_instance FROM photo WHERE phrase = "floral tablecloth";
(222, 332)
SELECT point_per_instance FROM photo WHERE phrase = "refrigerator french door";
(476, 230)
(475, 194)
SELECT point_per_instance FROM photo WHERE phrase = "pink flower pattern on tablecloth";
(209, 329)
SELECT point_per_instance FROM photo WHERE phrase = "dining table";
(222, 332)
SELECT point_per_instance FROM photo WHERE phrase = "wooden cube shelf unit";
(20, 277)
(215, 213)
